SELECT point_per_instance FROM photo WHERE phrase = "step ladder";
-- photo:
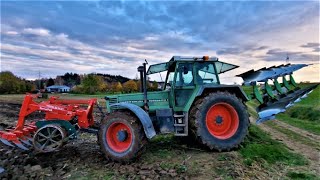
(181, 124)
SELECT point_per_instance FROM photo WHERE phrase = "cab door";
(183, 85)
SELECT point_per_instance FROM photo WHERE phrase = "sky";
(114, 37)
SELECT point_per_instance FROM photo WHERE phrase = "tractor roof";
(221, 66)
(186, 58)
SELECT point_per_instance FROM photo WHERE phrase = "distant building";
(58, 88)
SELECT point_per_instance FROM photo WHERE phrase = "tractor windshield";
(156, 68)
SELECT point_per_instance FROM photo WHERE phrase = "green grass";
(93, 174)
(310, 126)
(301, 175)
(313, 98)
(259, 146)
(305, 114)
(247, 89)
(251, 105)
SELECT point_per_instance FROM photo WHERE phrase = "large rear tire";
(121, 137)
(219, 121)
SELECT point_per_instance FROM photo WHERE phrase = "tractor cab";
(186, 76)
(191, 71)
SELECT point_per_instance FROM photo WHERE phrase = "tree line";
(11, 84)
(84, 84)
(93, 83)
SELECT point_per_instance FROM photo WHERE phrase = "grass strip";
(259, 146)
(310, 126)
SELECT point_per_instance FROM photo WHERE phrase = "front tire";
(219, 121)
(121, 137)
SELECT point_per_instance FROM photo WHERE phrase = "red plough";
(62, 117)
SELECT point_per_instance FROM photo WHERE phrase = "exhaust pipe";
(143, 85)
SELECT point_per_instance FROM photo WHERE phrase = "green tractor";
(192, 103)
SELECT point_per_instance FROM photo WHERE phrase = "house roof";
(58, 87)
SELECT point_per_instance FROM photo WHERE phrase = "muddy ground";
(164, 158)
(82, 158)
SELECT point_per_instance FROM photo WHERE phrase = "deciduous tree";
(130, 86)
(91, 83)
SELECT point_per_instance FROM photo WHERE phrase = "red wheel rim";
(222, 120)
(113, 140)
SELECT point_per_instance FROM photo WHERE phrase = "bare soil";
(83, 158)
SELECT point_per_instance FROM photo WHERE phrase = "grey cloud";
(311, 45)
(229, 51)
(59, 51)
(316, 49)
(314, 46)
(240, 50)
(261, 48)
(294, 56)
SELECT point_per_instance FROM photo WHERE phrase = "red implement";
(55, 109)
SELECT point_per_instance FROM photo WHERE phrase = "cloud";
(294, 56)
(240, 50)
(11, 33)
(60, 52)
(115, 37)
(314, 46)
(311, 45)
(316, 49)
(36, 31)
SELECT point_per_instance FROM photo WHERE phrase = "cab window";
(184, 75)
(205, 73)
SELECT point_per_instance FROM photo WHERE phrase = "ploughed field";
(262, 155)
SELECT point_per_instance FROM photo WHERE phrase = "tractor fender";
(142, 115)
(235, 89)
